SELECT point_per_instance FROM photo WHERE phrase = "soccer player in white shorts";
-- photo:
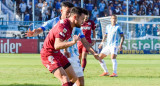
(113, 31)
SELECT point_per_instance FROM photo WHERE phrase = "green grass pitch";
(133, 70)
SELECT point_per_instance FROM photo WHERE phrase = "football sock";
(114, 62)
(103, 65)
(84, 62)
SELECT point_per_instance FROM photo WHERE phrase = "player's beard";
(78, 25)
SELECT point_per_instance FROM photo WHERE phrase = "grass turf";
(133, 70)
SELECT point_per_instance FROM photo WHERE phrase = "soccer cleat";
(114, 75)
(105, 74)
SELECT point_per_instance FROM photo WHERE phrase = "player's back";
(87, 27)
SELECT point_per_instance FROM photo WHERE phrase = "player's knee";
(65, 79)
(74, 79)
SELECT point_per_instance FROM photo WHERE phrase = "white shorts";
(110, 50)
(76, 65)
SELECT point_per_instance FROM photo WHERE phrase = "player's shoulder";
(118, 26)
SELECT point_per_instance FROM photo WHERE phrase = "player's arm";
(121, 43)
(94, 37)
(94, 33)
(36, 32)
(61, 44)
(103, 40)
(89, 48)
(66, 53)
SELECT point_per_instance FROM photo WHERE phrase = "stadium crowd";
(48, 9)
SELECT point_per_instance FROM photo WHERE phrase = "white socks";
(114, 62)
(103, 65)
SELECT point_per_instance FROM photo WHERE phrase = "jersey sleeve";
(47, 25)
(61, 32)
(120, 30)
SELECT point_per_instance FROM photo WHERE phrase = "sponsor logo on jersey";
(85, 28)
(62, 34)
(64, 30)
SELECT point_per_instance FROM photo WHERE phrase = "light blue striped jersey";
(74, 49)
(50, 23)
(113, 34)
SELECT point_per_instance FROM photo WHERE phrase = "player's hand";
(76, 38)
(30, 33)
(120, 48)
(100, 46)
(97, 57)
(67, 54)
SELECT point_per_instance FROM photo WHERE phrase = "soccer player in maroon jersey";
(51, 56)
(86, 27)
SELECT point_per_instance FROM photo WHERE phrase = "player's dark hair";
(67, 4)
(79, 11)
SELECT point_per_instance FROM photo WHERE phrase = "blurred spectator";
(110, 12)
(124, 6)
(26, 16)
(154, 30)
(124, 12)
(37, 13)
(117, 11)
(136, 5)
(156, 10)
(75, 4)
(149, 11)
(53, 14)
(95, 11)
(149, 30)
(58, 5)
(40, 5)
(48, 14)
(142, 30)
(44, 11)
(23, 7)
(89, 7)
(101, 8)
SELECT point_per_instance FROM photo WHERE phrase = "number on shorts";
(50, 59)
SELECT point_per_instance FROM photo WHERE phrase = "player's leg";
(53, 65)
(62, 76)
(78, 70)
(79, 51)
(68, 68)
(104, 53)
(71, 74)
(80, 81)
(114, 51)
(84, 57)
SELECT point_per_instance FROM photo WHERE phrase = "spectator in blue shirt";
(142, 30)
(75, 4)
(89, 7)
(154, 30)
(101, 8)
(58, 5)
(149, 30)
(95, 11)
